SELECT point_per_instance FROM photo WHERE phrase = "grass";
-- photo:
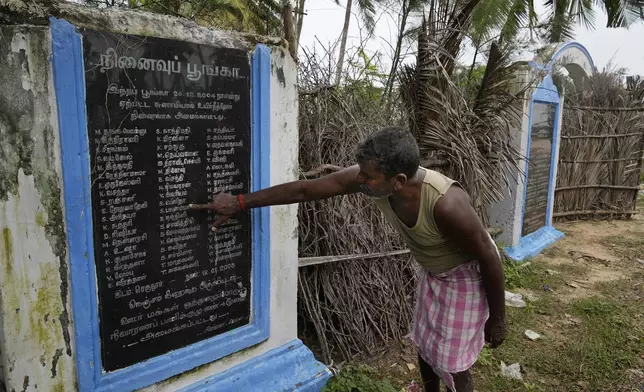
(587, 344)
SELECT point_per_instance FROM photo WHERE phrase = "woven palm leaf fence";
(600, 159)
(356, 280)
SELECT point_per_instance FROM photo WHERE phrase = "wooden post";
(289, 29)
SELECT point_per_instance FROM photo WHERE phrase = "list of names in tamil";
(168, 125)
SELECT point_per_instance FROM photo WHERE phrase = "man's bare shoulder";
(454, 201)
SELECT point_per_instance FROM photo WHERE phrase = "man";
(461, 295)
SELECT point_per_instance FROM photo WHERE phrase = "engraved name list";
(168, 124)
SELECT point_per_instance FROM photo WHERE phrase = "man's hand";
(224, 204)
(495, 331)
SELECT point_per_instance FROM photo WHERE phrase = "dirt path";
(587, 303)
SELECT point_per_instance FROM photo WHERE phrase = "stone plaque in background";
(168, 124)
(539, 164)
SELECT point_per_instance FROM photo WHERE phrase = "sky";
(618, 47)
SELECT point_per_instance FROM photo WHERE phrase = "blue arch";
(569, 45)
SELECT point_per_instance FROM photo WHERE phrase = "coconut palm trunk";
(343, 42)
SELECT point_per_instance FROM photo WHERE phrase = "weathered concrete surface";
(36, 332)
(127, 21)
(38, 344)
(34, 11)
(507, 213)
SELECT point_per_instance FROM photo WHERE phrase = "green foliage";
(358, 378)
(254, 16)
(515, 273)
(508, 17)
(470, 79)
(486, 358)
(365, 77)
(367, 11)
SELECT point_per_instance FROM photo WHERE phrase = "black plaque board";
(539, 164)
(168, 125)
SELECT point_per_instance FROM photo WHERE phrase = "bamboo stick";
(603, 136)
(608, 109)
(598, 186)
(594, 212)
(307, 261)
(600, 160)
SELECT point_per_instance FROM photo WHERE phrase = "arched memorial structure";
(525, 214)
(111, 123)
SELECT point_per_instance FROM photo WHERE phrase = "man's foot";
(463, 382)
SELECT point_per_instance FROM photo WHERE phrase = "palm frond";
(561, 22)
(473, 138)
(518, 14)
(367, 10)
(584, 12)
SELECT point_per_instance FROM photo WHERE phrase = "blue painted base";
(532, 244)
(290, 367)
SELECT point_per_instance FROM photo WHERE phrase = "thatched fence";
(600, 159)
(357, 281)
(356, 303)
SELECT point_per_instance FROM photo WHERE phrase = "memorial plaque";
(168, 125)
(539, 164)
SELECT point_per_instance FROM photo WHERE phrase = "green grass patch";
(359, 378)
(598, 350)
(536, 275)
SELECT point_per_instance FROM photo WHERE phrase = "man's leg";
(463, 382)
(431, 382)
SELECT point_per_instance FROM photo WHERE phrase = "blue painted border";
(533, 243)
(69, 82)
(572, 45)
(548, 67)
(290, 367)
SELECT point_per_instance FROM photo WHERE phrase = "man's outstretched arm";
(339, 183)
(457, 220)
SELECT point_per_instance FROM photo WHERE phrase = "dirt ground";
(585, 297)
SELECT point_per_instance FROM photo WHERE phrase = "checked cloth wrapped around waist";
(449, 323)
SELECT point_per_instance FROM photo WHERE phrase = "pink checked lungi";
(451, 312)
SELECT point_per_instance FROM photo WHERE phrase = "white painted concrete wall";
(506, 214)
(37, 338)
(36, 324)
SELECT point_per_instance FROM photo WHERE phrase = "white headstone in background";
(525, 214)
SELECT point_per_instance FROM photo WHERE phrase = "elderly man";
(461, 300)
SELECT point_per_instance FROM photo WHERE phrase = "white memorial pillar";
(525, 215)
(112, 122)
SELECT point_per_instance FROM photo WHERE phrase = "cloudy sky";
(622, 47)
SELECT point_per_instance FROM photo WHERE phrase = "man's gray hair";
(393, 149)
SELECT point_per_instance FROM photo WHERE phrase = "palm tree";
(367, 10)
(512, 15)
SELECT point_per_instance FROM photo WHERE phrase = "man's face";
(374, 183)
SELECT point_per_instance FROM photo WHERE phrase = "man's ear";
(401, 180)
